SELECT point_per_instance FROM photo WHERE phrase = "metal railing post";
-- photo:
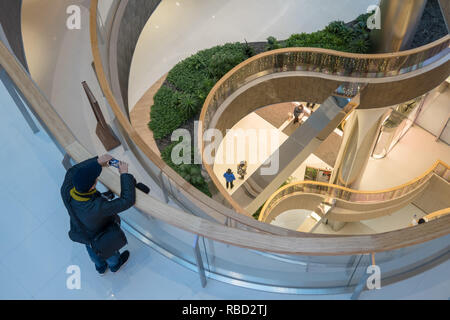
(360, 287)
(163, 187)
(199, 260)
(362, 282)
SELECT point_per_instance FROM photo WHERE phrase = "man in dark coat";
(298, 110)
(94, 211)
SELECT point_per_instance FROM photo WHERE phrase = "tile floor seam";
(18, 283)
(11, 250)
(31, 234)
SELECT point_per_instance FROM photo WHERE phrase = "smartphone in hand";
(114, 163)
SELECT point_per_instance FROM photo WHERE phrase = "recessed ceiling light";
(177, 3)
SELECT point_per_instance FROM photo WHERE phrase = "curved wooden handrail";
(443, 42)
(437, 214)
(332, 245)
(272, 201)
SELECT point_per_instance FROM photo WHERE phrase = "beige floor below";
(415, 153)
(250, 150)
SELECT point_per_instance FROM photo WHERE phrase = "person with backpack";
(242, 169)
(94, 219)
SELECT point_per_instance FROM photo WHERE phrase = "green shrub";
(209, 64)
(258, 212)
(188, 74)
(319, 39)
(360, 45)
(190, 81)
(166, 115)
(190, 172)
(336, 27)
(363, 17)
(223, 61)
(189, 104)
(248, 51)
(335, 36)
(272, 44)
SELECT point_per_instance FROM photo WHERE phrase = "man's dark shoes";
(102, 270)
(122, 260)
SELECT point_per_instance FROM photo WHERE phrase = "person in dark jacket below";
(298, 110)
(92, 210)
(229, 177)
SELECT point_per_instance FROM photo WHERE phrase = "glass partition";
(395, 125)
(274, 272)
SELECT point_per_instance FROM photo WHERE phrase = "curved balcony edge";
(439, 168)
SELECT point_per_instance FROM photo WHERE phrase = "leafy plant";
(258, 212)
(188, 85)
(336, 36)
(362, 18)
(165, 114)
(248, 50)
(310, 173)
(190, 172)
(360, 45)
(272, 44)
(189, 104)
(222, 62)
(337, 27)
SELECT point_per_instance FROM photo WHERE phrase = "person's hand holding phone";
(104, 159)
(123, 167)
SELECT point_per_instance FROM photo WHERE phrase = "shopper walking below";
(229, 177)
(242, 169)
(298, 110)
